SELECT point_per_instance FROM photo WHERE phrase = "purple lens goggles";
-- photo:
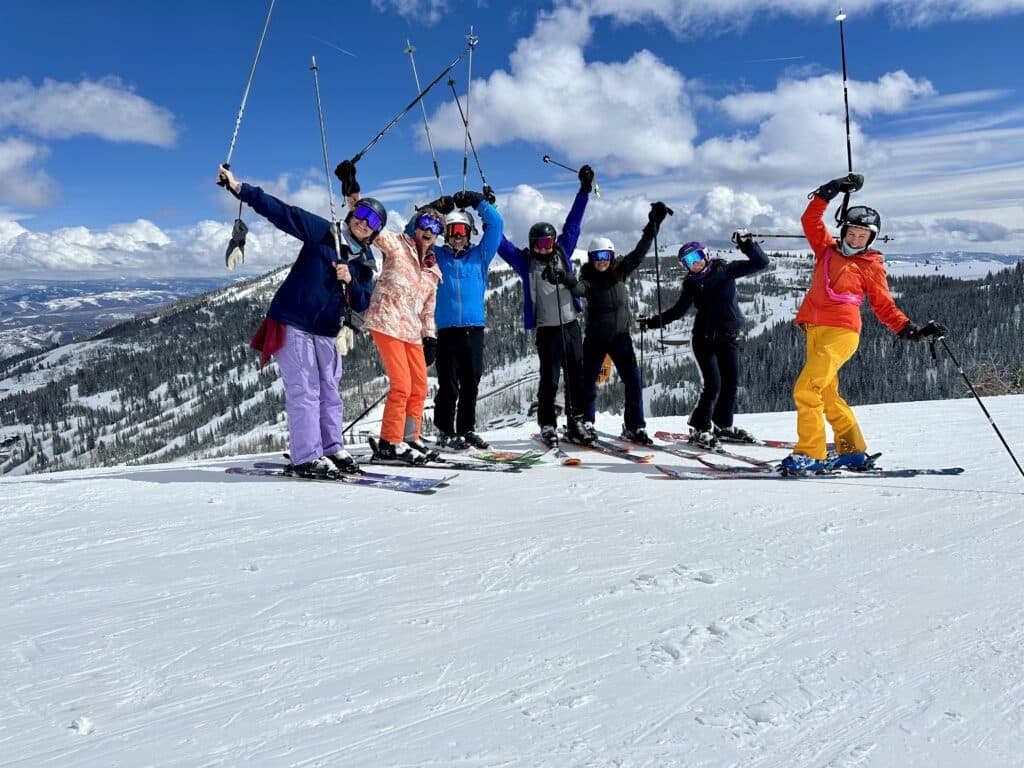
(602, 255)
(430, 224)
(370, 216)
(544, 244)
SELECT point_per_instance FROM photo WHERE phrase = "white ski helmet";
(601, 249)
(459, 217)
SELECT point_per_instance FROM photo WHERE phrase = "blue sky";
(113, 117)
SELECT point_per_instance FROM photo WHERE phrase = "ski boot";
(344, 463)
(735, 435)
(857, 462)
(430, 453)
(318, 469)
(703, 438)
(576, 432)
(451, 442)
(474, 440)
(799, 464)
(638, 435)
(396, 452)
(549, 435)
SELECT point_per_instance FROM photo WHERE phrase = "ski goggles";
(429, 224)
(604, 255)
(692, 257)
(544, 244)
(458, 229)
(370, 216)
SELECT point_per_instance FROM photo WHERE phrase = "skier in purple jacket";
(551, 309)
(305, 317)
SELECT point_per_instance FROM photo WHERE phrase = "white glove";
(235, 253)
(345, 341)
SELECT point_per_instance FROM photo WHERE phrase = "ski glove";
(489, 194)
(658, 213)
(467, 199)
(743, 239)
(851, 182)
(586, 176)
(429, 350)
(345, 340)
(913, 332)
(443, 205)
(346, 173)
(235, 253)
(646, 323)
(555, 276)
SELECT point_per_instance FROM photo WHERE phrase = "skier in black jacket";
(602, 282)
(710, 285)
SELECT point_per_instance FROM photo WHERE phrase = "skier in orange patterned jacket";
(845, 271)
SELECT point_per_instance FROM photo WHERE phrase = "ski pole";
(409, 106)
(841, 211)
(974, 392)
(359, 418)
(410, 49)
(547, 159)
(248, 85)
(465, 122)
(327, 169)
(471, 40)
(657, 285)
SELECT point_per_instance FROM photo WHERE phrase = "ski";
(445, 462)
(526, 458)
(679, 446)
(742, 473)
(785, 444)
(369, 479)
(612, 448)
(558, 454)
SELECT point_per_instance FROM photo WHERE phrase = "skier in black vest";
(602, 283)
(710, 285)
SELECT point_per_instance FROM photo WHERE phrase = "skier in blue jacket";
(551, 309)
(459, 314)
(306, 316)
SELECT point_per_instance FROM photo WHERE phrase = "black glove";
(646, 323)
(911, 332)
(467, 199)
(444, 204)
(429, 350)
(743, 239)
(586, 176)
(658, 213)
(489, 194)
(931, 329)
(851, 182)
(346, 173)
(554, 275)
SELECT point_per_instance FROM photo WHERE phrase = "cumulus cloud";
(973, 230)
(21, 183)
(631, 115)
(106, 108)
(425, 12)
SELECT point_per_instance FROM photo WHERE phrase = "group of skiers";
(427, 307)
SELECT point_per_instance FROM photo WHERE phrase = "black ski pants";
(718, 357)
(620, 349)
(552, 362)
(459, 366)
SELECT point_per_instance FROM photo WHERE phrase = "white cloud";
(21, 184)
(425, 12)
(106, 108)
(631, 115)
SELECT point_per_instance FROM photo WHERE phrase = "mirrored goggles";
(370, 216)
(543, 244)
(458, 229)
(604, 255)
(429, 224)
(693, 257)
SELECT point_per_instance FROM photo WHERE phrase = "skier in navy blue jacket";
(459, 315)
(710, 285)
(306, 316)
(549, 307)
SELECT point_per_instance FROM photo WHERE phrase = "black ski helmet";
(861, 216)
(373, 213)
(539, 230)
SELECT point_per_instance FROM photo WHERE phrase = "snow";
(174, 615)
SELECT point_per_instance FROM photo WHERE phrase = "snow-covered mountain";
(37, 315)
(174, 616)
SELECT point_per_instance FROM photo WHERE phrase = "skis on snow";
(743, 473)
(369, 479)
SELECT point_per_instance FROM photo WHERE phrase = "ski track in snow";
(592, 616)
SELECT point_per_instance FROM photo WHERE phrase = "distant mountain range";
(37, 315)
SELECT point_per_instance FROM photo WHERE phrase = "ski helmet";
(690, 254)
(601, 249)
(370, 211)
(540, 233)
(459, 217)
(860, 216)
